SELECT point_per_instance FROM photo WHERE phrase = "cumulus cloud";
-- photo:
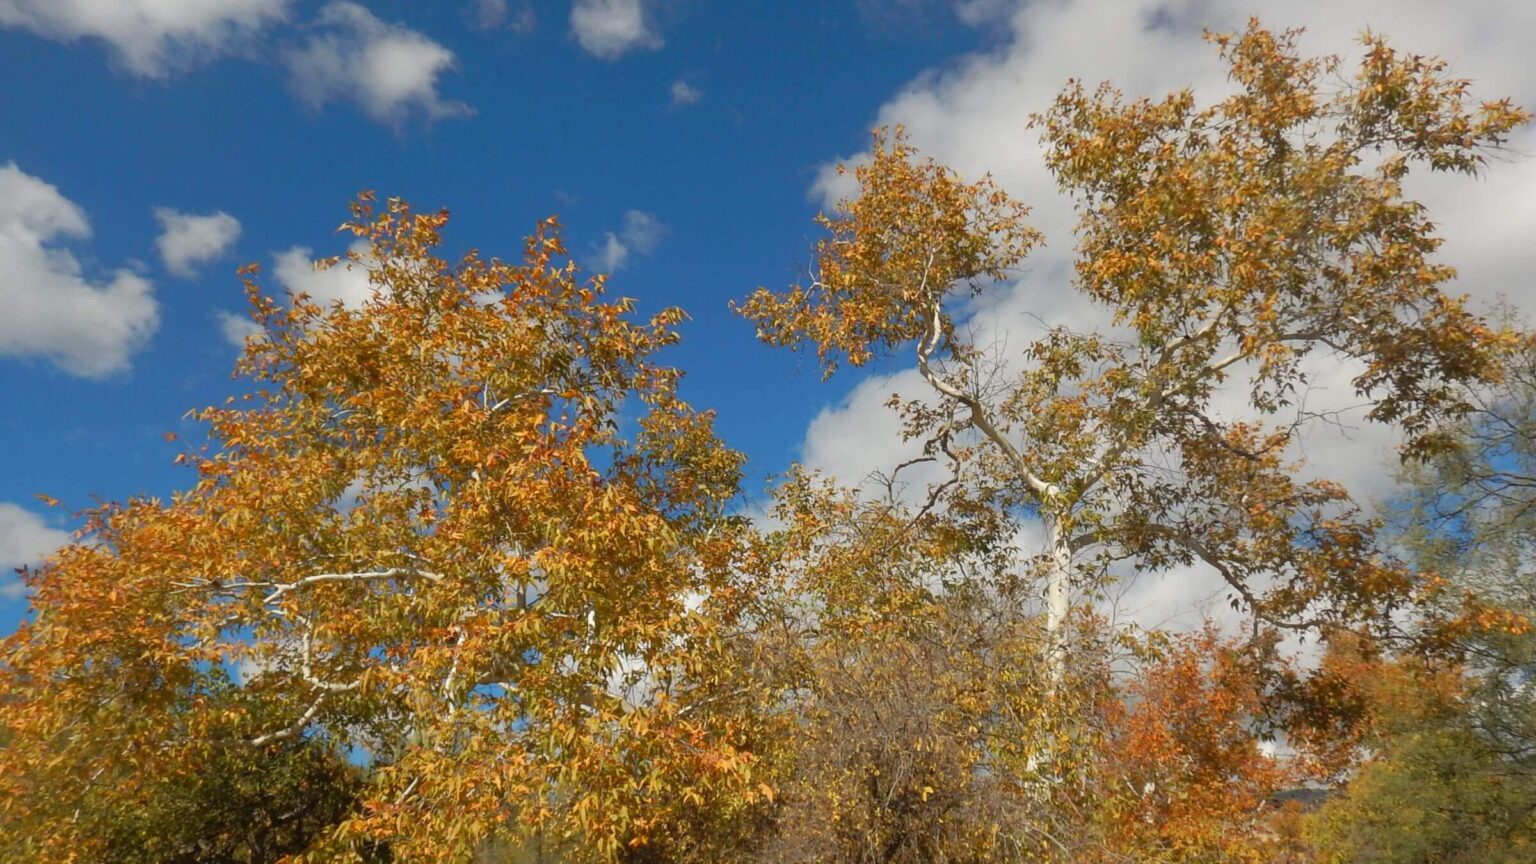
(641, 234)
(834, 445)
(236, 329)
(979, 12)
(972, 114)
(52, 308)
(974, 13)
(390, 71)
(25, 540)
(685, 94)
(496, 14)
(151, 38)
(489, 14)
(612, 28)
(187, 241)
(346, 282)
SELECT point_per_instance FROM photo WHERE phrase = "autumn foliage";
(1187, 772)
(419, 537)
(457, 575)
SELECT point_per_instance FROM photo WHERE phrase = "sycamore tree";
(465, 535)
(457, 575)
(1229, 243)
(897, 653)
(1229, 246)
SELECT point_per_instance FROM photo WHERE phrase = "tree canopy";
(460, 576)
(423, 539)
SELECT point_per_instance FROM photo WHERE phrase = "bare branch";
(365, 576)
(978, 414)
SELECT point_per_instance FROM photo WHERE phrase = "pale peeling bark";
(1058, 574)
(1057, 598)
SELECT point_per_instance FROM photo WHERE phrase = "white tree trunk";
(1057, 600)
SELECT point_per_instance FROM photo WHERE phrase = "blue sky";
(711, 121)
(686, 142)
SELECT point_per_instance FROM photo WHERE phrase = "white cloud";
(187, 241)
(838, 443)
(979, 12)
(684, 94)
(346, 282)
(390, 71)
(641, 233)
(972, 114)
(246, 668)
(611, 28)
(151, 38)
(236, 329)
(489, 14)
(51, 308)
(494, 14)
(914, 13)
(25, 540)
(525, 21)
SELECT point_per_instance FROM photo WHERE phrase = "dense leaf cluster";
(460, 576)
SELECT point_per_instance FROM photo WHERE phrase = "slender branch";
(485, 399)
(293, 729)
(364, 576)
(687, 709)
(978, 414)
(1103, 465)
(1197, 547)
(453, 671)
(406, 792)
(306, 667)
